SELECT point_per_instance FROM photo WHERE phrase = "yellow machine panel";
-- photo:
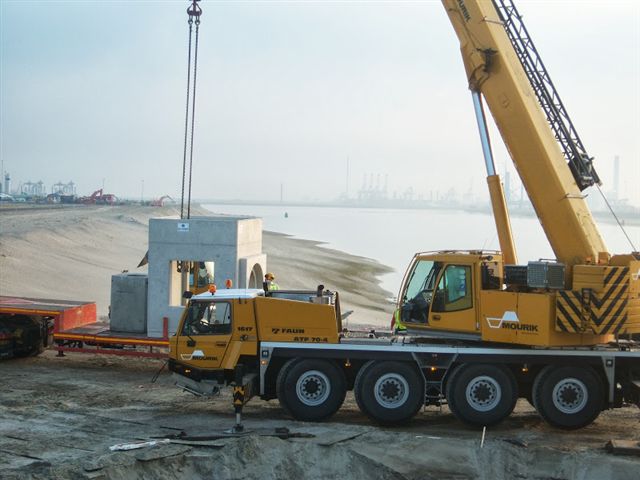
(527, 319)
(281, 320)
(244, 337)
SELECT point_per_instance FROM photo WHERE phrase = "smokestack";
(7, 184)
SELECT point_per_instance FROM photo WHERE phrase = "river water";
(393, 236)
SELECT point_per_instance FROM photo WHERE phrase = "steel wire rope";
(606, 201)
(186, 118)
(193, 107)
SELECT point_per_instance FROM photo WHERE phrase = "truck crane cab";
(474, 296)
(220, 330)
(438, 294)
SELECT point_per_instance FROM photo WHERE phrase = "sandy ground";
(59, 416)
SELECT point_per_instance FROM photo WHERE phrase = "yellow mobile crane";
(587, 296)
(484, 330)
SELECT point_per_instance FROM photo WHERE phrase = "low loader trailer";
(98, 337)
(30, 325)
(289, 345)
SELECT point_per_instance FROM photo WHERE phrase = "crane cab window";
(454, 289)
(419, 278)
(208, 318)
(416, 298)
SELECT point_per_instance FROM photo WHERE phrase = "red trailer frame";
(76, 329)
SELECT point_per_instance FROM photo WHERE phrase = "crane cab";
(439, 293)
(467, 296)
(220, 330)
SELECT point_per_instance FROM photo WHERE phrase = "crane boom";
(494, 70)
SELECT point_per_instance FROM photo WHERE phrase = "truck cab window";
(454, 289)
(416, 299)
(208, 318)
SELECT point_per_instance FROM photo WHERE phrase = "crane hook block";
(194, 10)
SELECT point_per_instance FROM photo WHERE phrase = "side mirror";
(187, 294)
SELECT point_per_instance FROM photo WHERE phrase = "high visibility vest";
(398, 326)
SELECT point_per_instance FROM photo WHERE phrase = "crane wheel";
(568, 397)
(389, 392)
(481, 394)
(311, 389)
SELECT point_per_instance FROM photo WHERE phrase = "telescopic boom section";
(494, 70)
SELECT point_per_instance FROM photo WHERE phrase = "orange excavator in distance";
(99, 198)
(159, 202)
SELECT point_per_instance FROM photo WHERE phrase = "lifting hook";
(194, 9)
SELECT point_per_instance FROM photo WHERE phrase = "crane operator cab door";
(205, 333)
(439, 296)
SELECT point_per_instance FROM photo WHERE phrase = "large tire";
(568, 397)
(312, 389)
(33, 336)
(483, 394)
(389, 393)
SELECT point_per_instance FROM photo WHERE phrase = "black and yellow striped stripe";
(601, 313)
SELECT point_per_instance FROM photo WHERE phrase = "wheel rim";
(391, 390)
(570, 395)
(313, 388)
(483, 393)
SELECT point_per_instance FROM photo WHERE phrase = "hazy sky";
(94, 91)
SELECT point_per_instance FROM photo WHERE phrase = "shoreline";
(629, 216)
(71, 253)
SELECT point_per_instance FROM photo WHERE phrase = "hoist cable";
(186, 119)
(193, 113)
(633, 247)
(194, 12)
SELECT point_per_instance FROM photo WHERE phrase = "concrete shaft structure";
(232, 243)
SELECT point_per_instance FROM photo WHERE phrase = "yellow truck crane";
(480, 330)
(587, 296)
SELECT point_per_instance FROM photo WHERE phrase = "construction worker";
(269, 282)
(204, 278)
(397, 327)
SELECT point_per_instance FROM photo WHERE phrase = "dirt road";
(59, 416)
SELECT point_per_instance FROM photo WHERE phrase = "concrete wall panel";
(234, 243)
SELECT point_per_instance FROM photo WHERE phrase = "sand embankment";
(72, 252)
